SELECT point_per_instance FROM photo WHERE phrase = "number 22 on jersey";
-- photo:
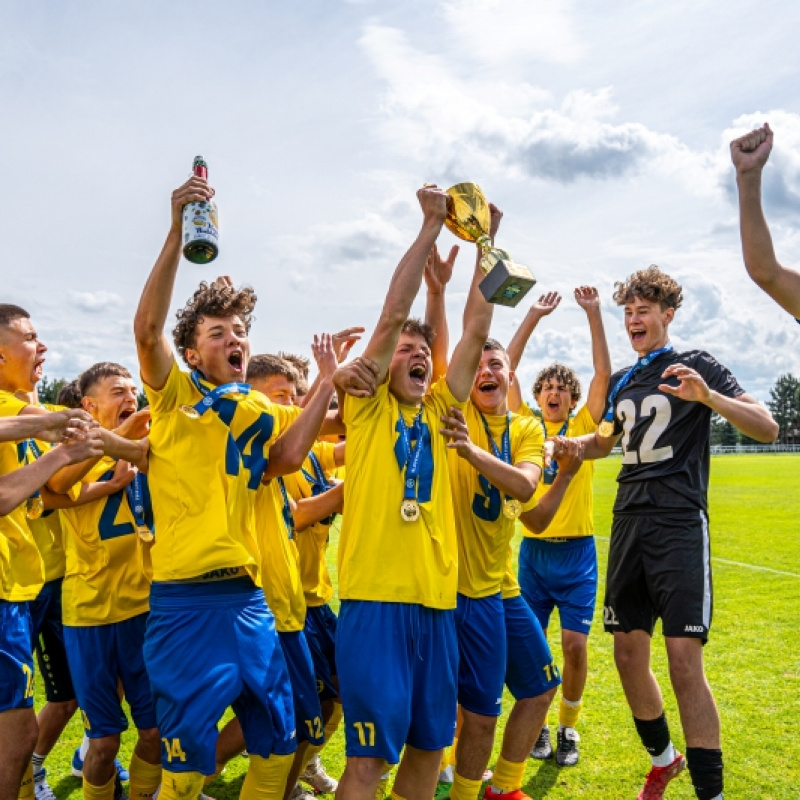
(656, 406)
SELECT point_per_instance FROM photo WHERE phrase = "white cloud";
(95, 302)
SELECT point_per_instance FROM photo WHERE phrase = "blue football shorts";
(320, 630)
(16, 656)
(48, 643)
(307, 711)
(398, 670)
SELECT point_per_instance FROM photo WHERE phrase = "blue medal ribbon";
(643, 362)
(30, 445)
(135, 491)
(504, 452)
(318, 482)
(288, 519)
(211, 396)
(549, 473)
(410, 457)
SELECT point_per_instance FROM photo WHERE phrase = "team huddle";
(174, 557)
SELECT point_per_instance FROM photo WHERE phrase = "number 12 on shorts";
(366, 733)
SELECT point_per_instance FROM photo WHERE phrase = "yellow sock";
(507, 775)
(180, 785)
(266, 777)
(465, 788)
(569, 713)
(396, 796)
(26, 787)
(106, 792)
(145, 779)
(333, 723)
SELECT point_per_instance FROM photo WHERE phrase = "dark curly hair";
(650, 284)
(212, 300)
(561, 374)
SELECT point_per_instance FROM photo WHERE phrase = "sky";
(601, 131)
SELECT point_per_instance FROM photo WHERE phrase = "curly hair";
(415, 327)
(69, 395)
(560, 374)
(649, 284)
(212, 300)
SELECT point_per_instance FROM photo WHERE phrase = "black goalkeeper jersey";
(665, 442)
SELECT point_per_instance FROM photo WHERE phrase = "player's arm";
(477, 322)
(744, 412)
(124, 473)
(311, 510)
(49, 426)
(518, 480)
(287, 453)
(17, 486)
(406, 281)
(545, 305)
(593, 445)
(569, 462)
(342, 345)
(152, 346)
(749, 155)
(588, 298)
(437, 275)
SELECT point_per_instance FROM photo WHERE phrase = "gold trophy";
(468, 217)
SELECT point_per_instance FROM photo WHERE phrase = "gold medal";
(606, 428)
(145, 534)
(511, 508)
(190, 411)
(34, 508)
(409, 510)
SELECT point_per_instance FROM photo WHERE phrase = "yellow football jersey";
(510, 587)
(108, 565)
(575, 515)
(203, 478)
(381, 556)
(484, 532)
(312, 543)
(47, 529)
(280, 568)
(21, 566)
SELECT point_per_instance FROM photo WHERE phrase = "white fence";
(743, 449)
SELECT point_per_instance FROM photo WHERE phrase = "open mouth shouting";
(418, 374)
(236, 360)
(38, 368)
(487, 386)
(638, 336)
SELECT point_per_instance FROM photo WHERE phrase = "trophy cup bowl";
(469, 218)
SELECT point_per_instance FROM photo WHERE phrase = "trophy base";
(506, 283)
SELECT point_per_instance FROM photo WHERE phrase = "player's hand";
(495, 216)
(223, 281)
(569, 460)
(136, 426)
(141, 461)
(324, 355)
(124, 473)
(195, 189)
(691, 388)
(437, 271)
(433, 202)
(546, 304)
(554, 447)
(587, 297)
(358, 377)
(752, 150)
(89, 446)
(71, 425)
(457, 432)
(343, 342)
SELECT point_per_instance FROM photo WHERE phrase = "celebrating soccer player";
(659, 561)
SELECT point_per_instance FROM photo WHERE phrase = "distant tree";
(722, 432)
(784, 403)
(48, 389)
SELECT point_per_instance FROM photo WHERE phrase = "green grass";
(752, 659)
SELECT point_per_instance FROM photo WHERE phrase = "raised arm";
(588, 298)
(55, 426)
(406, 280)
(311, 510)
(153, 347)
(545, 305)
(437, 276)
(477, 322)
(749, 155)
(342, 345)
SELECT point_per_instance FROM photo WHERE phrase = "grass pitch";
(752, 658)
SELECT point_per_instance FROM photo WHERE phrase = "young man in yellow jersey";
(105, 602)
(396, 649)
(557, 558)
(22, 356)
(211, 640)
(22, 573)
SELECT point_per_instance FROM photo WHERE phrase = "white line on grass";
(743, 564)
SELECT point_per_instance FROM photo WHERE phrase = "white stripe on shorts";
(706, 572)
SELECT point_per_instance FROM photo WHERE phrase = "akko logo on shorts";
(609, 617)
(693, 629)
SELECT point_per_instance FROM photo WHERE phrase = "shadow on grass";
(220, 789)
(543, 780)
(67, 785)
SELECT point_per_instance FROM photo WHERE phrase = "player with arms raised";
(659, 561)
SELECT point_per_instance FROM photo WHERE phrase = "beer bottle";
(200, 224)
